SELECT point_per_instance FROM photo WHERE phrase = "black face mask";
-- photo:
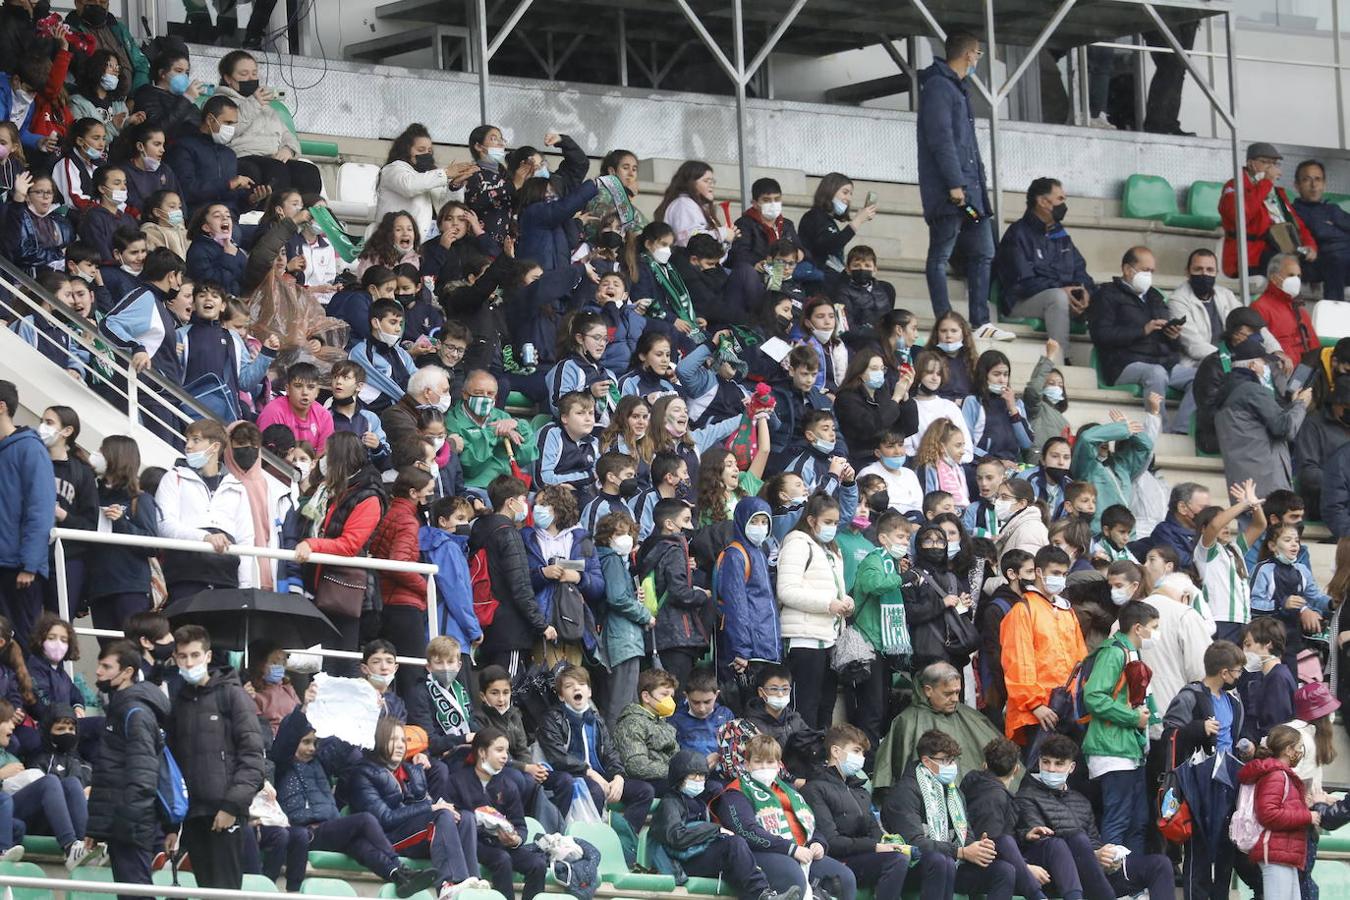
(245, 457)
(609, 240)
(464, 529)
(424, 162)
(94, 16)
(1055, 474)
(1202, 285)
(64, 743)
(247, 88)
(1059, 211)
(879, 502)
(162, 653)
(629, 488)
(405, 300)
(784, 322)
(105, 686)
(934, 557)
(862, 277)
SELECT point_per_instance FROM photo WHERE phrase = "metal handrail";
(70, 886)
(18, 283)
(59, 535)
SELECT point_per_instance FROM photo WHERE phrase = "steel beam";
(1186, 60)
(1244, 280)
(1033, 52)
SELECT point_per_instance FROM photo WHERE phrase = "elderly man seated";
(937, 705)
(1283, 312)
(486, 431)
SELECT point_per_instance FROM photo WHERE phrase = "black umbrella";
(235, 616)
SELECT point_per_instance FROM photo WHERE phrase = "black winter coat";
(925, 614)
(684, 619)
(216, 738)
(467, 792)
(555, 739)
(865, 303)
(519, 622)
(1116, 320)
(990, 808)
(843, 811)
(513, 724)
(1065, 812)
(122, 804)
(902, 812)
(782, 729)
(174, 113)
(399, 806)
(862, 419)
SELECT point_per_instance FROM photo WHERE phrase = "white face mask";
(443, 405)
(1292, 285)
(224, 135)
(823, 334)
(661, 255)
(1054, 584)
(1121, 595)
(764, 775)
(386, 338)
(621, 544)
(777, 701)
(757, 533)
(772, 210)
(1254, 662)
(98, 462)
(50, 434)
(1141, 282)
(119, 196)
(1003, 509)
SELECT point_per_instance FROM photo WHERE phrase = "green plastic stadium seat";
(1337, 841)
(164, 878)
(329, 860)
(1148, 197)
(88, 873)
(42, 845)
(260, 884)
(388, 891)
(26, 870)
(1202, 204)
(1133, 390)
(479, 895)
(346, 246)
(333, 887)
(307, 148)
(1341, 200)
(613, 868)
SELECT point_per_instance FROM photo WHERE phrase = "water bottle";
(528, 356)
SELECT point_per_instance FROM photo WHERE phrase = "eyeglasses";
(943, 760)
(780, 691)
(37, 192)
(451, 350)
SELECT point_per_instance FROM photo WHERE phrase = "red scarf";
(774, 231)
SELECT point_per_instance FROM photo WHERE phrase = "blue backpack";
(171, 793)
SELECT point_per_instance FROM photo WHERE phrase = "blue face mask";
(839, 206)
(875, 380)
(692, 788)
(901, 345)
(823, 446)
(1053, 780)
(274, 674)
(1053, 393)
(947, 773)
(108, 82)
(953, 548)
(950, 346)
(543, 516)
(180, 82)
(93, 153)
(851, 765)
(826, 533)
(894, 463)
(521, 514)
(542, 172)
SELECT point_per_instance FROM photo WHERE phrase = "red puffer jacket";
(1280, 808)
(396, 538)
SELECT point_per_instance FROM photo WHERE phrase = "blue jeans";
(1154, 379)
(1124, 808)
(977, 244)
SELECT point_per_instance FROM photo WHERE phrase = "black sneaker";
(411, 881)
(792, 893)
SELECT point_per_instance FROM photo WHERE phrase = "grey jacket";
(260, 131)
(1255, 431)
(1196, 340)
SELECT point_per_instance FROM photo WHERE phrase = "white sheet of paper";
(345, 708)
(776, 349)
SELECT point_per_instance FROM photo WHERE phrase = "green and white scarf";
(449, 705)
(769, 809)
(944, 811)
(671, 282)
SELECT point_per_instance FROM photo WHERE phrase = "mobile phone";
(777, 269)
(871, 199)
(1176, 323)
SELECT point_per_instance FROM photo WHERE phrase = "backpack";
(485, 603)
(1243, 828)
(1175, 823)
(568, 613)
(1070, 701)
(171, 793)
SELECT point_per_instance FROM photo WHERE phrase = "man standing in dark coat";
(123, 809)
(951, 182)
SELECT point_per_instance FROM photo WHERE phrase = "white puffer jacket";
(810, 577)
(1024, 531)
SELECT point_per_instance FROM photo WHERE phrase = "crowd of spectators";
(754, 497)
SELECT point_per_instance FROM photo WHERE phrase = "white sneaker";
(78, 855)
(991, 332)
(13, 854)
(1101, 122)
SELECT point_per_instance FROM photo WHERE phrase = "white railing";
(60, 535)
(69, 886)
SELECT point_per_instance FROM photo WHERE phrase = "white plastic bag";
(583, 806)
